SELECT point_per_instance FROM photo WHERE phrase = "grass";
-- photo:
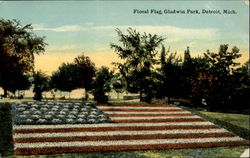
(235, 119)
(236, 123)
(220, 152)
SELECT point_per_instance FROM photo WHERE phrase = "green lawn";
(235, 119)
(181, 153)
(233, 122)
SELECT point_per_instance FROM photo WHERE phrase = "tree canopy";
(138, 53)
(18, 44)
(85, 72)
(41, 83)
(102, 84)
(64, 79)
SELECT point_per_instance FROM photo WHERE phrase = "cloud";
(173, 34)
(61, 48)
(65, 28)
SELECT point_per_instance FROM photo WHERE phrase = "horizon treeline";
(215, 79)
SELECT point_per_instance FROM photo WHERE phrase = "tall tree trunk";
(86, 95)
(5, 92)
(140, 95)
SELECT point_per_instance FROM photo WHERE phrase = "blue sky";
(72, 27)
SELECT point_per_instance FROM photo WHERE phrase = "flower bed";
(39, 113)
(142, 128)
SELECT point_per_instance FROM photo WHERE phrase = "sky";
(73, 27)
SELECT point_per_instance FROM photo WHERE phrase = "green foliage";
(85, 72)
(17, 48)
(241, 80)
(65, 78)
(221, 66)
(138, 53)
(70, 76)
(102, 85)
(118, 83)
(41, 84)
(6, 146)
(18, 81)
(170, 75)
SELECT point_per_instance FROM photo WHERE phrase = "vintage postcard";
(113, 78)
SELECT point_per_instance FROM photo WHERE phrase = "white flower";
(83, 113)
(91, 120)
(65, 109)
(62, 113)
(35, 105)
(81, 116)
(26, 112)
(81, 120)
(46, 106)
(21, 109)
(48, 116)
(92, 116)
(44, 109)
(76, 106)
(101, 116)
(65, 106)
(70, 120)
(28, 121)
(22, 116)
(61, 116)
(35, 116)
(73, 112)
(22, 105)
(56, 120)
(93, 112)
(83, 110)
(71, 116)
(51, 113)
(54, 109)
(41, 120)
(33, 109)
(37, 112)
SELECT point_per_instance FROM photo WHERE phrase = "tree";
(187, 73)
(221, 67)
(65, 78)
(241, 80)
(41, 84)
(138, 53)
(85, 73)
(102, 85)
(18, 44)
(170, 74)
(18, 82)
(199, 80)
(117, 83)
